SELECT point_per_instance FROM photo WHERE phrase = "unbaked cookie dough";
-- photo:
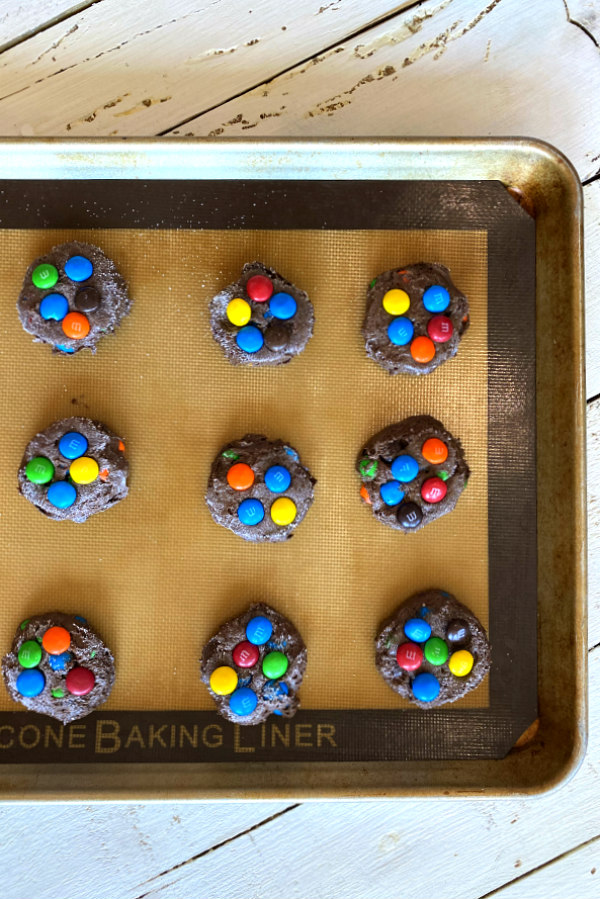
(259, 489)
(415, 318)
(262, 319)
(412, 473)
(73, 469)
(254, 665)
(432, 650)
(72, 297)
(58, 666)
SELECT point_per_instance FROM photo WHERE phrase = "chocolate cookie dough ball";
(254, 665)
(73, 469)
(415, 318)
(262, 319)
(58, 666)
(259, 489)
(72, 297)
(412, 472)
(432, 650)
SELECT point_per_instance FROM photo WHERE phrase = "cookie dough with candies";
(415, 318)
(73, 469)
(432, 650)
(58, 666)
(254, 665)
(72, 297)
(412, 473)
(262, 319)
(259, 489)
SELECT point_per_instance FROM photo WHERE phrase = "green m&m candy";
(39, 470)
(44, 276)
(368, 467)
(274, 665)
(58, 693)
(30, 654)
(436, 651)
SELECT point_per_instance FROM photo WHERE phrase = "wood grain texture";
(576, 872)
(20, 19)
(591, 195)
(593, 460)
(110, 70)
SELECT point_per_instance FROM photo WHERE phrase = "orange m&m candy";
(240, 476)
(365, 494)
(56, 640)
(76, 325)
(435, 451)
(422, 349)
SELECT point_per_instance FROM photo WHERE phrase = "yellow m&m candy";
(83, 470)
(396, 302)
(283, 511)
(223, 680)
(461, 663)
(239, 312)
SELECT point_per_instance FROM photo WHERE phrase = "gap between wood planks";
(55, 20)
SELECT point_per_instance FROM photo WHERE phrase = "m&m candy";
(259, 288)
(283, 511)
(436, 298)
(461, 663)
(274, 665)
(72, 445)
(422, 349)
(30, 682)
(391, 493)
(30, 654)
(433, 490)
(44, 276)
(440, 328)
(83, 470)
(435, 451)
(425, 687)
(457, 632)
(409, 656)
(251, 512)
(417, 630)
(239, 312)
(436, 651)
(87, 300)
(223, 680)
(61, 494)
(76, 326)
(59, 662)
(405, 468)
(277, 479)
(39, 470)
(249, 339)
(283, 306)
(54, 306)
(368, 468)
(396, 302)
(246, 654)
(56, 640)
(400, 331)
(259, 630)
(80, 681)
(78, 268)
(409, 515)
(243, 701)
(240, 476)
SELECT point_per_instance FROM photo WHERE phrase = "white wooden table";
(320, 67)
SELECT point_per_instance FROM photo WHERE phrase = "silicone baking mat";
(155, 576)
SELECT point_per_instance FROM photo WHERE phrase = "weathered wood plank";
(577, 873)
(449, 67)
(593, 458)
(585, 14)
(20, 19)
(592, 285)
(114, 70)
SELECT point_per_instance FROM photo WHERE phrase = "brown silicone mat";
(156, 576)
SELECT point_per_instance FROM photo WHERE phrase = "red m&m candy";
(80, 681)
(433, 490)
(440, 328)
(259, 288)
(245, 655)
(409, 656)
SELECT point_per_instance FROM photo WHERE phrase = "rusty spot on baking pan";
(525, 202)
(527, 736)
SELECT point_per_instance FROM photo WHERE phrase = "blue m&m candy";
(249, 339)
(391, 493)
(78, 268)
(405, 468)
(54, 306)
(283, 306)
(251, 512)
(72, 445)
(417, 630)
(243, 701)
(277, 478)
(59, 662)
(31, 682)
(259, 630)
(61, 494)
(425, 687)
(400, 330)
(436, 298)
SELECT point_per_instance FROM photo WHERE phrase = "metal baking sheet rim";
(544, 181)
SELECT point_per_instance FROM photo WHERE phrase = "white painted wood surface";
(459, 67)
